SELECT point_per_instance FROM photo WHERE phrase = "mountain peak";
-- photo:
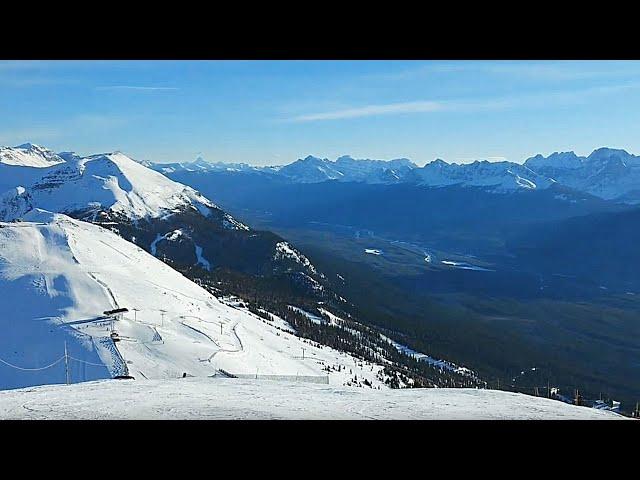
(29, 155)
(603, 152)
(109, 182)
(312, 159)
(31, 146)
(200, 160)
(557, 160)
(438, 161)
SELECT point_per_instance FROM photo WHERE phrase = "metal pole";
(548, 390)
(66, 363)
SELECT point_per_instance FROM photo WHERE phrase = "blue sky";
(273, 112)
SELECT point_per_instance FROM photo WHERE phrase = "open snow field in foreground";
(216, 398)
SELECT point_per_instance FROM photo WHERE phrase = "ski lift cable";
(31, 369)
(88, 363)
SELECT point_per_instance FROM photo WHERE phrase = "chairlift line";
(32, 369)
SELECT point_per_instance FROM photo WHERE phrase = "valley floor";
(218, 399)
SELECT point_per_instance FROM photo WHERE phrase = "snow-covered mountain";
(307, 170)
(498, 177)
(113, 182)
(347, 169)
(495, 176)
(311, 170)
(202, 165)
(611, 174)
(23, 165)
(57, 277)
(29, 155)
(109, 182)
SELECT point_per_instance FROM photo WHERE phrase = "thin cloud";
(464, 105)
(137, 88)
(370, 110)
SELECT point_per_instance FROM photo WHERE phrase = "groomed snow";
(218, 398)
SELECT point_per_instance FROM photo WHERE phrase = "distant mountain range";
(607, 173)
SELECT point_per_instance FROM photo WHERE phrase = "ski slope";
(57, 277)
(211, 399)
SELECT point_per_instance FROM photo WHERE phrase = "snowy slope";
(192, 398)
(113, 182)
(57, 277)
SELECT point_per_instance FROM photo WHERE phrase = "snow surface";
(58, 276)
(217, 398)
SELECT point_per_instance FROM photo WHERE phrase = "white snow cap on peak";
(29, 155)
(109, 181)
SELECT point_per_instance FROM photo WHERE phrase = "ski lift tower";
(115, 315)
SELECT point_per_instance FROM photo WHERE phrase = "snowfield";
(227, 399)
